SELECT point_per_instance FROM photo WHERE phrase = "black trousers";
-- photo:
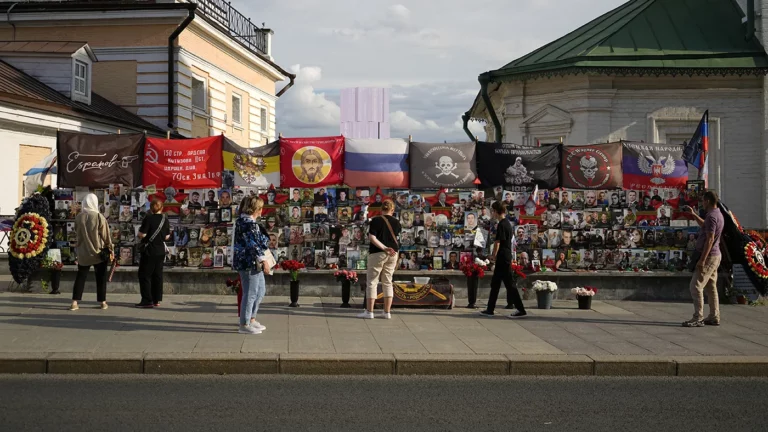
(151, 278)
(502, 273)
(101, 281)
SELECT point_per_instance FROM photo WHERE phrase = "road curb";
(210, 363)
(551, 365)
(622, 365)
(337, 364)
(107, 363)
(23, 363)
(722, 366)
(420, 364)
(380, 364)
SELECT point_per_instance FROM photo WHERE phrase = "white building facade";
(599, 96)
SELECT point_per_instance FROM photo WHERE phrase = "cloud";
(302, 108)
(428, 112)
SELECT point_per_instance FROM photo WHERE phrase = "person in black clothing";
(151, 263)
(382, 259)
(502, 255)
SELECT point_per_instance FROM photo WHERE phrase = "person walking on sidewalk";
(94, 248)
(502, 272)
(250, 260)
(154, 231)
(382, 259)
(707, 258)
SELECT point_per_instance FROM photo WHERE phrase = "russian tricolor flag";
(376, 162)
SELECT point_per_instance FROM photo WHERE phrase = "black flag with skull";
(443, 165)
(596, 166)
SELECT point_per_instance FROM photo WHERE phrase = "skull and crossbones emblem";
(588, 166)
(446, 166)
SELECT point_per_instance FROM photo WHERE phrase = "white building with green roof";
(647, 71)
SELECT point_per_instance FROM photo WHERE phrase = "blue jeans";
(254, 288)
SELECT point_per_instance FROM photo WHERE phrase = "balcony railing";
(239, 27)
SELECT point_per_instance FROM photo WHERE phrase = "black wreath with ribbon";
(31, 234)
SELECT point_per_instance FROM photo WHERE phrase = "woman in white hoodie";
(92, 238)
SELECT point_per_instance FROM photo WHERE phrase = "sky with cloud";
(428, 52)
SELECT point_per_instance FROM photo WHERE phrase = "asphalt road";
(272, 403)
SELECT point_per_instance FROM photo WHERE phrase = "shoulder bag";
(391, 231)
(104, 253)
(146, 246)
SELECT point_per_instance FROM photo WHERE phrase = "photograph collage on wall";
(327, 227)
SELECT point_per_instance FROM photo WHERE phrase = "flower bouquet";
(347, 278)
(236, 286)
(293, 267)
(584, 296)
(474, 271)
(345, 275)
(544, 292)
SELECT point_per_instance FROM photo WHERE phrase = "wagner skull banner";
(96, 161)
(596, 166)
(443, 165)
(518, 168)
(647, 166)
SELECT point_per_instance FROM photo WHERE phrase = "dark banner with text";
(184, 164)
(595, 166)
(518, 168)
(96, 161)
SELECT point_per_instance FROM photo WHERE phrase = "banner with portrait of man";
(311, 162)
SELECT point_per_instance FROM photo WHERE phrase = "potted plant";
(474, 271)
(293, 267)
(584, 296)
(237, 288)
(346, 277)
(544, 292)
(54, 271)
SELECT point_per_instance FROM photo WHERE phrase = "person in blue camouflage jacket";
(249, 259)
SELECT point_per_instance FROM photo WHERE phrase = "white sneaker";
(385, 315)
(365, 315)
(248, 330)
(257, 325)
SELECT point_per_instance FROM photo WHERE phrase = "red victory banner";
(596, 166)
(183, 164)
(311, 162)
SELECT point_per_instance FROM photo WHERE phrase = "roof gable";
(663, 34)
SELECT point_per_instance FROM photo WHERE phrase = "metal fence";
(229, 20)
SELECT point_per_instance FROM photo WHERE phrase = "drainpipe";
(465, 119)
(750, 19)
(292, 79)
(8, 19)
(484, 81)
(171, 40)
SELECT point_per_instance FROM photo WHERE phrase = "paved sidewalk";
(40, 328)
(207, 324)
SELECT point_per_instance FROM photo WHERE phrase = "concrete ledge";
(729, 366)
(86, 363)
(210, 363)
(550, 365)
(337, 364)
(439, 364)
(23, 363)
(620, 365)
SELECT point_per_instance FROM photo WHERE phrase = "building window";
(199, 94)
(81, 78)
(263, 119)
(237, 102)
